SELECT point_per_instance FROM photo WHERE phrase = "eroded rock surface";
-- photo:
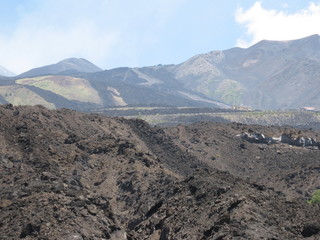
(69, 175)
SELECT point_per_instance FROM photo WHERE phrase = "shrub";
(315, 199)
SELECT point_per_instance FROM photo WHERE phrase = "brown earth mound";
(69, 175)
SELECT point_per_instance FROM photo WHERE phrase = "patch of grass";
(19, 95)
(315, 199)
(72, 88)
(143, 108)
(230, 91)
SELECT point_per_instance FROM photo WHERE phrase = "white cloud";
(261, 23)
(103, 31)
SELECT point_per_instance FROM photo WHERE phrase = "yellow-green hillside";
(71, 88)
(19, 95)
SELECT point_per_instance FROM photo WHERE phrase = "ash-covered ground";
(70, 175)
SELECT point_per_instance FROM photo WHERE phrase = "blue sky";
(116, 33)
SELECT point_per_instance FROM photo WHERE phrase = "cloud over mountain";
(262, 23)
(107, 32)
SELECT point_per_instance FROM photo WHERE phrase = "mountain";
(146, 87)
(268, 75)
(6, 73)
(69, 175)
(70, 65)
(101, 89)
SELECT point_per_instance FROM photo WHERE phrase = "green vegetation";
(19, 95)
(142, 108)
(315, 199)
(151, 119)
(227, 90)
(230, 92)
(72, 88)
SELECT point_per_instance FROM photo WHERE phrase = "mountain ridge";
(250, 69)
(71, 65)
(269, 75)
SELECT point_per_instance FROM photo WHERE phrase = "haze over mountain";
(6, 73)
(267, 75)
(69, 65)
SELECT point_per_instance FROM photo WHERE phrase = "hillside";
(270, 75)
(267, 75)
(109, 88)
(69, 175)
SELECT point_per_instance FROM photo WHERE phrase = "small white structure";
(307, 109)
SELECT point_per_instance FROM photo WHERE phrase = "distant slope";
(103, 89)
(268, 75)
(81, 83)
(145, 87)
(69, 87)
(70, 65)
(19, 95)
(6, 73)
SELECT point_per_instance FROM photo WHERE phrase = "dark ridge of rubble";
(291, 169)
(70, 175)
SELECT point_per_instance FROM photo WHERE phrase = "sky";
(135, 33)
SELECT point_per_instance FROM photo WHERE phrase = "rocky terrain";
(173, 116)
(70, 175)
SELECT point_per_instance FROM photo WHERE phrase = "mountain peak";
(311, 40)
(315, 38)
(304, 47)
(74, 60)
(78, 64)
(6, 73)
(65, 65)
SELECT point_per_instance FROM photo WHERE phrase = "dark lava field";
(75, 176)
